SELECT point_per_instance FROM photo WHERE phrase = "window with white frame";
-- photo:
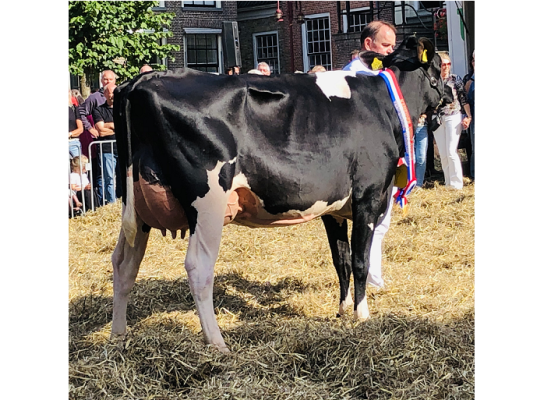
(317, 41)
(205, 4)
(266, 50)
(202, 52)
(359, 17)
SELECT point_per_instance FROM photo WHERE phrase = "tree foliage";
(103, 31)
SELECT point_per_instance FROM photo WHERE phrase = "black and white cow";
(203, 150)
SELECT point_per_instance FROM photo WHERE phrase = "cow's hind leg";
(337, 235)
(126, 263)
(366, 207)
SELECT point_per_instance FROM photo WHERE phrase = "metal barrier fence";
(95, 192)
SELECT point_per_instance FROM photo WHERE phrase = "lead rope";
(408, 137)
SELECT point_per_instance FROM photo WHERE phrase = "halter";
(433, 81)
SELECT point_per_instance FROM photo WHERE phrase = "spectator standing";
(452, 122)
(234, 70)
(264, 68)
(317, 68)
(354, 54)
(77, 98)
(380, 37)
(145, 68)
(104, 124)
(75, 128)
(420, 149)
(470, 90)
(94, 100)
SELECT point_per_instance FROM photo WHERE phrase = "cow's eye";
(433, 81)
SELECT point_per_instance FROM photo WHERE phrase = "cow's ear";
(425, 51)
(374, 60)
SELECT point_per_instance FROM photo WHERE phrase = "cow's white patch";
(371, 226)
(333, 83)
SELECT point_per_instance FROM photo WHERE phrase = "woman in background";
(452, 121)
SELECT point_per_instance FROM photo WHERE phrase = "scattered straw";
(276, 296)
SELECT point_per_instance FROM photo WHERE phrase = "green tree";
(128, 32)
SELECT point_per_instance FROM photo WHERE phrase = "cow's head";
(417, 54)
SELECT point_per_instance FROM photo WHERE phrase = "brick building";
(309, 32)
(289, 35)
(198, 28)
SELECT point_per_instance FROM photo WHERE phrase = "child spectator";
(79, 181)
(74, 205)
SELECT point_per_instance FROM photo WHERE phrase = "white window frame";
(201, 31)
(306, 62)
(254, 41)
(218, 5)
(345, 17)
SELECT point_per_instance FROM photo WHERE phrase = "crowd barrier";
(94, 169)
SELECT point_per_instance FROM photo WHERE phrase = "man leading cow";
(380, 37)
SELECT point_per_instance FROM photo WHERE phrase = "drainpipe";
(290, 21)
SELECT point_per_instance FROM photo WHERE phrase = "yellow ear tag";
(377, 64)
(425, 56)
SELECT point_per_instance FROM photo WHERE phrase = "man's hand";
(93, 132)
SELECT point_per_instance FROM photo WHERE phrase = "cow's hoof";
(118, 336)
(345, 306)
(361, 313)
(222, 349)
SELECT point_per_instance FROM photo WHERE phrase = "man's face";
(107, 78)
(384, 42)
(109, 93)
(264, 70)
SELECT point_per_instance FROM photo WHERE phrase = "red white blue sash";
(406, 123)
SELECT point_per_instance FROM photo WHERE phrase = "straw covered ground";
(276, 296)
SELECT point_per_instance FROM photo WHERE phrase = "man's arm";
(78, 131)
(105, 128)
(84, 110)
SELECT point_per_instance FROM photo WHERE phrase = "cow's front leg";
(126, 263)
(365, 210)
(337, 235)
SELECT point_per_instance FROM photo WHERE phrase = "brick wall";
(195, 19)
(289, 35)
(247, 29)
(342, 44)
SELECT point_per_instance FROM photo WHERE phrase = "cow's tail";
(122, 122)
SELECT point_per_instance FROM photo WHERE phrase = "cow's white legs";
(126, 262)
(202, 252)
